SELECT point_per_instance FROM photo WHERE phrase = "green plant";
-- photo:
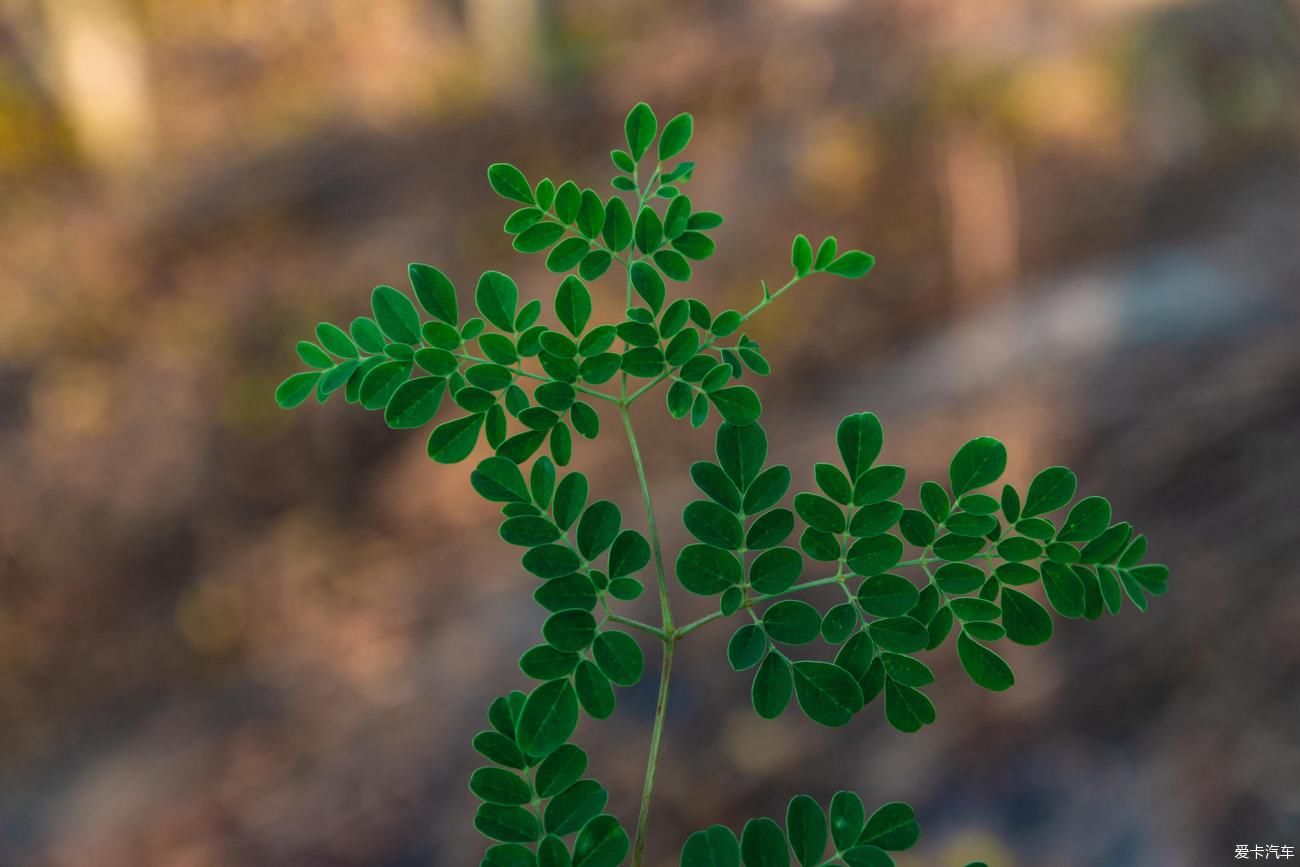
(974, 553)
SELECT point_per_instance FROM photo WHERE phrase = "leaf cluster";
(520, 378)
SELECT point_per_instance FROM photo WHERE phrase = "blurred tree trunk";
(96, 61)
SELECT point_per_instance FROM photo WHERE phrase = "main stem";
(669, 641)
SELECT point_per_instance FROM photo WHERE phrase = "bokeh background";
(235, 636)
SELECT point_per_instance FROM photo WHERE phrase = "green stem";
(667, 634)
(656, 738)
(587, 391)
(767, 299)
(660, 572)
(637, 624)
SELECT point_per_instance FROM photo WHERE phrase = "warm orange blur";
(233, 637)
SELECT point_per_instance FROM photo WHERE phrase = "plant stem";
(650, 521)
(465, 356)
(656, 738)
(668, 636)
(768, 299)
(637, 624)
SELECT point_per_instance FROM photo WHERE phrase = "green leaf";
(959, 578)
(692, 245)
(763, 844)
(827, 693)
(336, 340)
(551, 852)
(1064, 589)
(594, 264)
(741, 451)
(978, 463)
(878, 484)
(899, 634)
(893, 826)
(770, 529)
(629, 553)
(916, 527)
(875, 520)
(617, 231)
(543, 662)
(396, 315)
(529, 530)
(792, 621)
(716, 485)
(366, 334)
(568, 811)
(806, 825)
(640, 128)
(839, 623)
(1050, 490)
(295, 389)
(570, 497)
(677, 217)
(907, 709)
(436, 293)
(415, 402)
(1018, 549)
(509, 855)
(648, 284)
(867, 856)
(559, 770)
(573, 305)
(860, 438)
(677, 134)
(737, 404)
(619, 657)
(1086, 521)
(848, 818)
(599, 526)
(622, 161)
(591, 214)
(713, 525)
(648, 230)
(548, 718)
(1026, 621)
(567, 254)
(602, 842)
(452, 441)
(496, 297)
(510, 183)
(825, 253)
(874, 554)
(507, 824)
(767, 488)
(819, 513)
(497, 786)
(595, 694)
(775, 570)
(536, 238)
(853, 264)
(498, 748)
(773, 686)
(570, 631)
(584, 419)
(565, 589)
(833, 482)
(985, 667)
(746, 647)
(705, 569)
(887, 595)
(801, 256)
(713, 847)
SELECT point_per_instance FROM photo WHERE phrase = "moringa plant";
(969, 560)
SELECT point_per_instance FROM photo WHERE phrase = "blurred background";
(235, 636)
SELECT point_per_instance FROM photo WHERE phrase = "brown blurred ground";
(233, 636)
